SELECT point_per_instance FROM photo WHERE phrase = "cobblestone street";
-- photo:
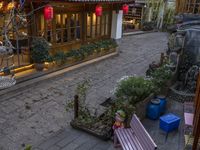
(37, 116)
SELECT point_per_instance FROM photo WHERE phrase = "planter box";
(140, 107)
(105, 133)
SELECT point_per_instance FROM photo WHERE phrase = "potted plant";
(40, 52)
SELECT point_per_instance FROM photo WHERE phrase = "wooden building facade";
(188, 6)
(74, 23)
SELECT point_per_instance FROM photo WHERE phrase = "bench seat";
(128, 139)
(134, 138)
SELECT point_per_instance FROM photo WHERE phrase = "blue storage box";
(169, 122)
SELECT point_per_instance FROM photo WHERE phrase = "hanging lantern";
(125, 8)
(98, 10)
(48, 12)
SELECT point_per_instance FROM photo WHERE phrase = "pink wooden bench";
(134, 138)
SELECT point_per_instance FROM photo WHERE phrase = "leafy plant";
(28, 147)
(161, 75)
(134, 89)
(120, 104)
(60, 57)
(81, 91)
(40, 50)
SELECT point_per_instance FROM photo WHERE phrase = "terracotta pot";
(39, 66)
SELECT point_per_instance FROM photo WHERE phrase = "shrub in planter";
(40, 52)
(160, 76)
(60, 58)
(134, 89)
(106, 45)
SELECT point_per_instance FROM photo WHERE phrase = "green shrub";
(40, 50)
(160, 76)
(85, 50)
(60, 57)
(134, 89)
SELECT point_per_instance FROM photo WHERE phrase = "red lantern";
(48, 12)
(125, 8)
(98, 10)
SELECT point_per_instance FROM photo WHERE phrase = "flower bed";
(99, 127)
(84, 53)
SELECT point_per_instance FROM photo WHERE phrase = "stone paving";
(37, 114)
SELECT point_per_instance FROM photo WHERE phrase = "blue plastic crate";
(169, 122)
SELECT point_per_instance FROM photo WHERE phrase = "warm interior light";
(24, 68)
(20, 69)
(10, 5)
(1, 5)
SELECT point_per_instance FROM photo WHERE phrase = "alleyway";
(37, 114)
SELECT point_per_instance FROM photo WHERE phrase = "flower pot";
(39, 66)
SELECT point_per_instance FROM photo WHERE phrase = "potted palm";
(40, 52)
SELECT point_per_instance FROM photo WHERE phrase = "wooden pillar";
(196, 129)
(84, 25)
(76, 106)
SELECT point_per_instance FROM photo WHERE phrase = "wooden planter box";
(105, 133)
(72, 61)
(140, 111)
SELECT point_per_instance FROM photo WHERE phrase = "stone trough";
(179, 94)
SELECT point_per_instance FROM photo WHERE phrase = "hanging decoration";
(48, 12)
(125, 9)
(98, 10)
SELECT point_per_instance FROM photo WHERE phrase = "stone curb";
(138, 33)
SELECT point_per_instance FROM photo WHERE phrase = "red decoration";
(98, 10)
(125, 8)
(48, 12)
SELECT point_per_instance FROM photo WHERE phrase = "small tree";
(40, 50)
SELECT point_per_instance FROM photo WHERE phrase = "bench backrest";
(143, 136)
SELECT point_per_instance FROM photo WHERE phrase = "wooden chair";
(134, 138)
